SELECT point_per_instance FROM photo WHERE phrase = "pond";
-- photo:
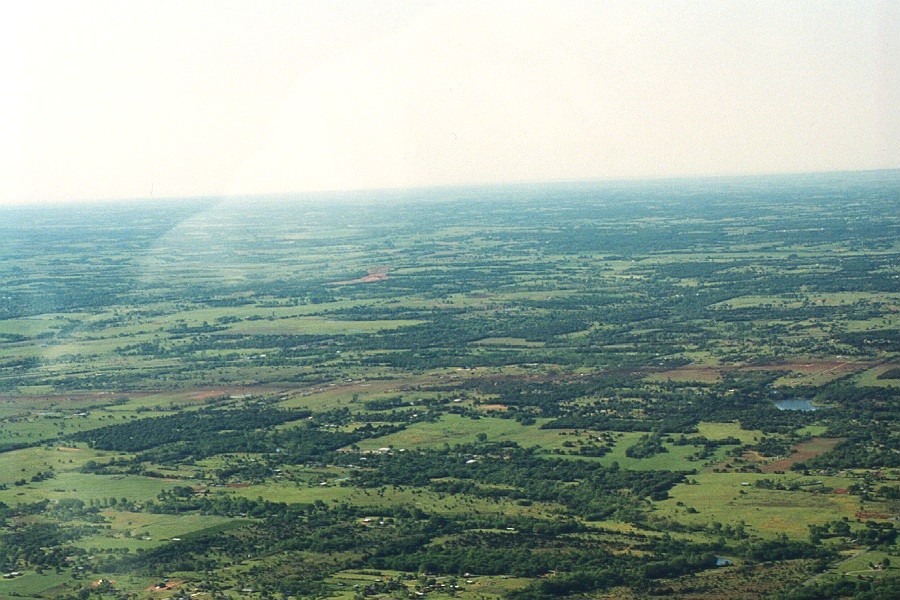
(796, 404)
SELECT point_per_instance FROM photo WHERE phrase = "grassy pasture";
(721, 497)
(481, 586)
(871, 377)
(858, 564)
(456, 429)
(508, 342)
(718, 431)
(315, 325)
(133, 530)
(334, 493)
(28, 461)
(821, 299)
(33, 327)
(87, 487)
(33, 585)
(675, 459)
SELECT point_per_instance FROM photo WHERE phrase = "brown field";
(802, 452)
(691, 373)
(164, 586)
(872, 515)
(376, 274)
(218, 392)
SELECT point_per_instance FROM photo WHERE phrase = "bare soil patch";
(376, 274)
(163, 586)
(691, 373)
(802, 452)
(872, 515)
(218, 392)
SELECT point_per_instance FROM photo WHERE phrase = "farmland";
(514, 393)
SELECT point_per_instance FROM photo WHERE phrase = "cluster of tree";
(871, 448)
(646, 447)
(40, 545)
(186, 426)
(679, 408)
(601, 491)
(413, 541)
(887, 588)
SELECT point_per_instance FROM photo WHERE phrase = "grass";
(675, 459)
(390, 496)
(32, 585)
(718, 431)
(870, 377)
(721, 497)
(812, 430)
(508, 342)
(818, 299)
(87, 487)
(28, 461)
(315, 326)
(457, 429)
(129, 529)
(859, 564)
(481, 586)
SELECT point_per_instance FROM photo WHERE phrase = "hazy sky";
(121, 99)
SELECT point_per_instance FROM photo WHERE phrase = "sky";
(124, 100)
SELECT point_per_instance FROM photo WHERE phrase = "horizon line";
(460, 186)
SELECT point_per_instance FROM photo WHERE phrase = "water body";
(796, 404)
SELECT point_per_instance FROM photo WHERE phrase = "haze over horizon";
(131, 100)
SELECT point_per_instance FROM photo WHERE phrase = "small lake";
(796, 404)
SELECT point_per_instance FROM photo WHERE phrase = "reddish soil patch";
(217, 392)
(376, 274)
(840, 490)
(753, 456)
(803, 452)
(872, 515)
(692, 373)
(819, 367)
(164, 585)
